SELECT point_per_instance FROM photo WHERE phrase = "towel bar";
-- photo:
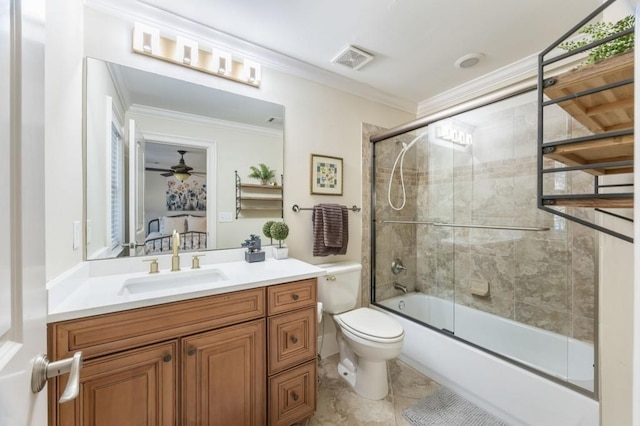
(296, 208)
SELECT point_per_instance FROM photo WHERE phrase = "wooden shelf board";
(619, 148)
(615, 203)
(258, 186)
(259, 199)
(603, 111)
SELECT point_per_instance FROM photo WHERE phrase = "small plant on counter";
(263, 173)
(266, 229)
(279, 231)
(600, 30)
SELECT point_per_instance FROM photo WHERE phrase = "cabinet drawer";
(287, 297)
(292, 339)
(292, 395)
(110, 333)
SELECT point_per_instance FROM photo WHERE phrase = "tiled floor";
(338, 404)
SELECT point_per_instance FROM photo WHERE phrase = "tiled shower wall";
(545, 279)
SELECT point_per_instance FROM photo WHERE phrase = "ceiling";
(415, 42)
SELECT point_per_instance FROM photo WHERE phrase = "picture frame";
(326, 175)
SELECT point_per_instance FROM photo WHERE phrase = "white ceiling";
(415, 42)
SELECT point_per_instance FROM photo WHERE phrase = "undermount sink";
(171, 280)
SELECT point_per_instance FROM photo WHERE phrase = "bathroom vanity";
(240, 356)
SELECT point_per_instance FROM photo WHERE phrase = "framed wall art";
(326, 175)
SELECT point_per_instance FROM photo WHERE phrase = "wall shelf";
(599, 96)
(251, 197)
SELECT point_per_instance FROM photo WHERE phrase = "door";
(23, 301)
(223, 377)
(136, 190)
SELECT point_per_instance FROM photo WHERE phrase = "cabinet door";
(223, 376)
(132, 388)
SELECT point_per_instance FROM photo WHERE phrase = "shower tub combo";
(500, 300)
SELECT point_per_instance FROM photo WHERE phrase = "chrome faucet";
(399, 286)
(175, 259)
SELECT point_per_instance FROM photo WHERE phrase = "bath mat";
(446, 408)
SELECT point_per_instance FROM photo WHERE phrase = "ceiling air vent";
(353, 58)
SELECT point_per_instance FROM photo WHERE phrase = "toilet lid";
(371, 324)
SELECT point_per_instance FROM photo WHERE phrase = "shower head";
(407, 147)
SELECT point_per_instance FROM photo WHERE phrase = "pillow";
(168, 224)
(196, 223)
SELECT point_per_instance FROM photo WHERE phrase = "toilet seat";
(371, 325)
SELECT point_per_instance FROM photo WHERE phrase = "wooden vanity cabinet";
(138, 369)
(246, 358)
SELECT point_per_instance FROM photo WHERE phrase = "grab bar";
(461, 225)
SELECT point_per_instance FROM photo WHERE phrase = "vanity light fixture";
(223, 62)
(146, 39)
(453, 135)
(252, 71)
(187, 51)
(180, 50)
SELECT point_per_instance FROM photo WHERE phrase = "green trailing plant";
(279, 231)
(266, 229)
(598, 31)
(262, 172)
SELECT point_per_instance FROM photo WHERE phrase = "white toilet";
(367, 338)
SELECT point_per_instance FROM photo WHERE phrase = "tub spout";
(401, 287)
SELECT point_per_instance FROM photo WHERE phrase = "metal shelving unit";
(258, 198)
(600, 97)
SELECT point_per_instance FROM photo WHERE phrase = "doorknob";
(43, 369)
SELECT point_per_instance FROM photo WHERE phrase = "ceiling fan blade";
(166, 174)
(154, 169)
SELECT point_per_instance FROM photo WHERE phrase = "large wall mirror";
(162, 155)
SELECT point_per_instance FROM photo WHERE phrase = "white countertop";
(80, 293)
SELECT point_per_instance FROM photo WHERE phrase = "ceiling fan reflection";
(180, 171)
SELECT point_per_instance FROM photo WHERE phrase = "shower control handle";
(397, 266)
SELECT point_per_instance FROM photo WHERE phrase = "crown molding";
(165, 114)
(521, 73)
(140, 11)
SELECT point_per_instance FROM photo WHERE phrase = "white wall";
(63, 132)
(318, 119)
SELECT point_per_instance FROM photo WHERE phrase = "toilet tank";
(339, 289)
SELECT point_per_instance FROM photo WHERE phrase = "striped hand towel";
(330, 229)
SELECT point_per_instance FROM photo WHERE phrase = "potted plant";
(280, 231)
(266, 230)
(263, 173)
(599, 30)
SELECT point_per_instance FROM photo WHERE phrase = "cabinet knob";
(295, 296)
(294, 339)
(166, 358)
(294, 396)
(191, 351)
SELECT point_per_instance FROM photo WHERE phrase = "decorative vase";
(280, 252)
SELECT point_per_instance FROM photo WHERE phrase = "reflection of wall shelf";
(252, 197)
(599, 96)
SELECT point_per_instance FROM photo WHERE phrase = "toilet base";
(368, 379)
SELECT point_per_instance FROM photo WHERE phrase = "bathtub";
(515, 394)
